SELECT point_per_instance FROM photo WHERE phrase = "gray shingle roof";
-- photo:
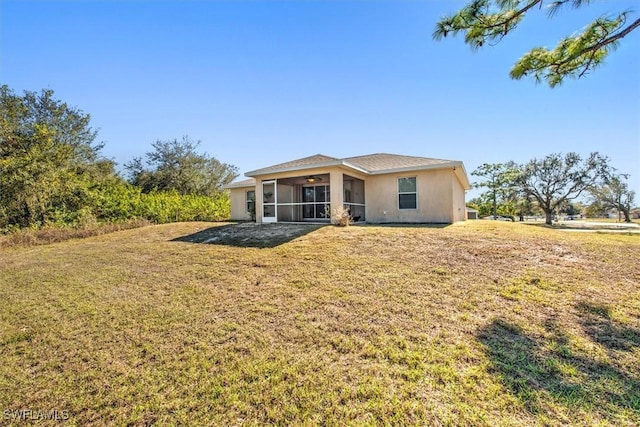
(304, 163)
(370, 164)
(244, 183)
(389, 162)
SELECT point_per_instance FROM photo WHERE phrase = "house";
(376, 188)
(472, 213)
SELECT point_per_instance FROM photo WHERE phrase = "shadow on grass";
(541, 224)
(597, 323)
(250, 235)
(546, 372)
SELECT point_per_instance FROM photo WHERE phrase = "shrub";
(340, 216)
(169, 206)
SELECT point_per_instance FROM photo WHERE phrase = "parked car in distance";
(572, 217)
(499, 218)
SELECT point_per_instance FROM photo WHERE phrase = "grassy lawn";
(481, 323)
(612, 220)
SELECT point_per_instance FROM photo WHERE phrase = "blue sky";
(263, 82)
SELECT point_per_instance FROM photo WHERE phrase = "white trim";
(267, 171)
(241, 184)
(398, 193)
(274, 218)
(444, 165)
(356, 168)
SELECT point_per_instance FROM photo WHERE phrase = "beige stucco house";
(376, 188)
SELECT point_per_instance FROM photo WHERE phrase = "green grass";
(482, 323)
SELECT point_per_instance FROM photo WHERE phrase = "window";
(251, 202)
(407, 194)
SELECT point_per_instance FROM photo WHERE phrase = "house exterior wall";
(436, 191)
(238, 197)
(440, 195)
(459, 205)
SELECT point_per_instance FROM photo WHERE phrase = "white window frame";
(415, 193)
(249, 201)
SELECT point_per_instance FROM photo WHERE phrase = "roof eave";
(357, 168)
(443, 165)
(462, 176)
(457, 166)
(241, 184)
(266, 171)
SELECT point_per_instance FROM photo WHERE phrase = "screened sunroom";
(308, 198)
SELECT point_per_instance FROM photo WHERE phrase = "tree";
(48, 159)
(482, 205)
(499, 178)
(595, 210)
(488, 21)
(176, 165)
(572, 209)
(556, 179)
(614, 193)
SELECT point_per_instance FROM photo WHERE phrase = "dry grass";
(481, 323)
(612, 220)
(48, 235)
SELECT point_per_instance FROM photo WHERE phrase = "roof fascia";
(417, 168)
(259, 172)
(457, 166)
(354, 167)
(239, 185)
(463, 177)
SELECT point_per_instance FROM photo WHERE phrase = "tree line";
(52, 172)
(552, 185)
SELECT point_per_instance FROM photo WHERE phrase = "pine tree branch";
(611, 39)
(505, 23)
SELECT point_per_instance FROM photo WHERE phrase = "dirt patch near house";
(251, 234)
